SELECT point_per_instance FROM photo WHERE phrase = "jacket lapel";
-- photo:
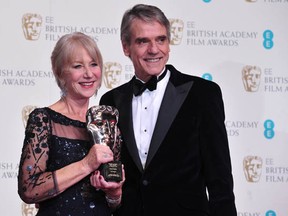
(175, 94)
(126, 121)
(173, 99)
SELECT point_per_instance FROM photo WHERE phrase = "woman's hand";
(113, 190)
(98, 154)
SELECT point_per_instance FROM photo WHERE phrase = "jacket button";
(145, 182)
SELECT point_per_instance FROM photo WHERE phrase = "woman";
(59, 163)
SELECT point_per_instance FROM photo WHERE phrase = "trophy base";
(112, 171)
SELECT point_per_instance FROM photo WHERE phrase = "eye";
(141, 41)
(93, 64)
(113, 121)
(99, 123)
(77, 66)
(161, 39)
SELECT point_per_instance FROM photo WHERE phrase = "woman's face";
(83, 76)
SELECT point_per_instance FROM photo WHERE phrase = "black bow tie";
(139, 87)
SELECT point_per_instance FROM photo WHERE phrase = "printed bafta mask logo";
(252, 166)
(28, 209)
(26, 110)
(112, 74)
(31, 25)
(251, 76)
(176, 30)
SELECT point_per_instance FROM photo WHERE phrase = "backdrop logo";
(8, 170)
(270, 213)
(28, 209)
(112, 74)
(176, 30)
(31, 25)
(26, 110)
(236, 127)
(23, 77)
(268, 39)
(275, 172)
(269, 129)
(52, 31)
(207, 76)
(251, 76)
(201, 36)
(252, 166)
(274, 83)
(251, 0)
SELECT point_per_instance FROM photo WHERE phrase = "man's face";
(148, 49)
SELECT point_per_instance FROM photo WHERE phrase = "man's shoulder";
(179, 77)
(115, 93)
(121, 88)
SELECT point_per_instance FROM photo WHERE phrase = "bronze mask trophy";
(102, 124)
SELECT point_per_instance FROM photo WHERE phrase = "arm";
(35, 183)
(216, 156)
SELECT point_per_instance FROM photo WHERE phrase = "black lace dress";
(53, 141)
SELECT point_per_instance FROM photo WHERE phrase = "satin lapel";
(126, 122)
(172, 101)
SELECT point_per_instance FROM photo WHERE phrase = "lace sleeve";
(34, 182)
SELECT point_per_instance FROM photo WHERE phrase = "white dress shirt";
(145, 110)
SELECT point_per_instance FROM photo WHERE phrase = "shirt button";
(145, 182)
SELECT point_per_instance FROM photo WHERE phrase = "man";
(174, 139)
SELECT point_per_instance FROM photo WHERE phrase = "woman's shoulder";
(41, 111)
(39, 114)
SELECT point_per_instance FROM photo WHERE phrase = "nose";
(87, 72)
(107, 126)
(153, 47)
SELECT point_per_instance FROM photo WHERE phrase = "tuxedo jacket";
(188, 159)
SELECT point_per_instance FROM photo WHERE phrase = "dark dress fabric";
(51, 142)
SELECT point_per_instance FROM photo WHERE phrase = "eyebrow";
(139, 39)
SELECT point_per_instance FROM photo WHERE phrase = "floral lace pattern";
(51, 142)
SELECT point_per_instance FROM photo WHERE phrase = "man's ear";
(126, 49)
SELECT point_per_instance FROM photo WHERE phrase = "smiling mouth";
(86, 83)
(153, 59)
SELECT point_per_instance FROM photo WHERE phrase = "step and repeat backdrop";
(240, 44)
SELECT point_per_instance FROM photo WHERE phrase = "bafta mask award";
(102, 124)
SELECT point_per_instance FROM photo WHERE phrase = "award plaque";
(102, 125)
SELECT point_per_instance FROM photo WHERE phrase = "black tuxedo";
(188, 152)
